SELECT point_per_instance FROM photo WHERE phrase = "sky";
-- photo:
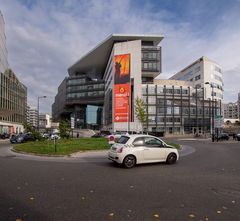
(45, 37)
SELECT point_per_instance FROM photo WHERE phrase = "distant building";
(201, 71)
(44, 121)
(232, 110)
(3, 46)
(33, 116)
(13, 98)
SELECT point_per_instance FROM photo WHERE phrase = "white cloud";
(47, 38)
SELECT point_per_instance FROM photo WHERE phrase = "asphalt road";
(204, 185)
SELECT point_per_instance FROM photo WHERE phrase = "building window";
(197, 77)
(218, 69)
(197, 69)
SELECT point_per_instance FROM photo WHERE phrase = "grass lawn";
(177, 146)
(67, 146)
(64, 146)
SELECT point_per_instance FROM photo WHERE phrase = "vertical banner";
(122, 88)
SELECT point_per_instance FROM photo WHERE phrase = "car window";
(123, 139)
(152, 142)
(138, 141)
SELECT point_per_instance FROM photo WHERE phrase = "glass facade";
(150, 59)
(13, 99)
(80, 97)
(178, 109)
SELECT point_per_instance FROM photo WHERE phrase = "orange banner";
(122, 88)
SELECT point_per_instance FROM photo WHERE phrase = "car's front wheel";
(129, 161)
(172, 158)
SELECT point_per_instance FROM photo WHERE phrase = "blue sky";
(45, 37)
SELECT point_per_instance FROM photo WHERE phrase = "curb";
(57, 156)
(38, 154)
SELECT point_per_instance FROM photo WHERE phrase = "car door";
(154, 150)
(138, 149)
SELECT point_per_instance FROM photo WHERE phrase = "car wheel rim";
(172, 158)
(129, 161)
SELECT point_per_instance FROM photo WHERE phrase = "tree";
(32, 130)
(64, 129)
(140, 110)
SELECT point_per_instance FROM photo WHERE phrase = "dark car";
(238, 137)
(13, 138)
(25, 137)
(223, 136)
(97, 135)
(4, 136)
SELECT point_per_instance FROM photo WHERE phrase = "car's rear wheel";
(129, 161)
(172, 158)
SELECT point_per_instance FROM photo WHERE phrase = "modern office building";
(13, 94)
(13, 98)
(123, 68)
(177, 107)
(3, 46)
(200, 72)
(91, 79)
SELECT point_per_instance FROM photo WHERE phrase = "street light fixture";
(39, 97)
(213, 129)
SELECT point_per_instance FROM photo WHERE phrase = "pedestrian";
(234, 136)
(77, 134)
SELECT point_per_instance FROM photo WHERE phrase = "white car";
(137, 149)
(55, 136)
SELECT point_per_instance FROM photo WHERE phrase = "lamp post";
(213, 129)
(39, 97)
(129, 113)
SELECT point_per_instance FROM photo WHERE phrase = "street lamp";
(129, 113)
(39, 97)
(213, 129)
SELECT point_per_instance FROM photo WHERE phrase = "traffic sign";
(72, 122)
(218, 121)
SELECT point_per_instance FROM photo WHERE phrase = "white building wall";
(33, 116)
(134, 49)
(3, 47)
(207, 70)
(44, 120)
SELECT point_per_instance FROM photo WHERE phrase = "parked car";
(4, 136)
(13, 139)
(25, 137)
(55, 136)
(222, 136)
(238, 137)
(137, 149)
(45, 135)
(97, 135)
(117, 134)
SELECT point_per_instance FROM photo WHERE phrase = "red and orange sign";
(122, 87)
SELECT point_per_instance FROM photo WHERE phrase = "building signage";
(218, 121)
(122, 87)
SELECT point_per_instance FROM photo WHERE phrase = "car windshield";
(123, 139)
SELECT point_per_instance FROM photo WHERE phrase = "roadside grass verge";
(177, 146)
(63, 146)
(67, 146)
